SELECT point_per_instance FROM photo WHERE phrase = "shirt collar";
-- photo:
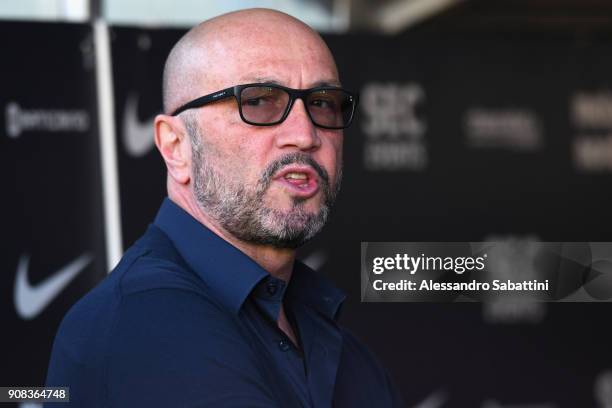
(228, 272)
(232, 275)
(310, 287)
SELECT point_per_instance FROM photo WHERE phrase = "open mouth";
(299, 180)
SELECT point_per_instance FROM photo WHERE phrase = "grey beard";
(242, 212)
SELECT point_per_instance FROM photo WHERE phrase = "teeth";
(296, 176)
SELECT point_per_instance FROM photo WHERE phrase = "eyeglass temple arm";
(204, 100)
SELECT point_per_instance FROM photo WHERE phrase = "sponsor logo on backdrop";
(512, 129)
(394, 130)
(20, 120)
(31, 300)
(591, 116)
(592, 110)
(137, 134)
(593, 153)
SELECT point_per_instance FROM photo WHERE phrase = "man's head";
(270, 185)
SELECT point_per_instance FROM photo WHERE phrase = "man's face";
(269, 185)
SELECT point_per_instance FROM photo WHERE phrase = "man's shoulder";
(148, 324)
(154, 263)
(150, 263)
(149, 274)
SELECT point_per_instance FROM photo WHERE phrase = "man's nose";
(298, 130)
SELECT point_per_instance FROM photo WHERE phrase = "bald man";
(210, 307)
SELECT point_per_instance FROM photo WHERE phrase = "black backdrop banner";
(458, 138)
(53, 249)
(138, 61)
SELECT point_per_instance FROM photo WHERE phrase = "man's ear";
(174, 145)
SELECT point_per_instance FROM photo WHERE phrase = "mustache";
(292, 158)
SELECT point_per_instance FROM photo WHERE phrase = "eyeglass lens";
(265, 105)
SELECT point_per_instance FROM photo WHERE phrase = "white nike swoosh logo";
(435, 400)
(137, 135)
(30, 300)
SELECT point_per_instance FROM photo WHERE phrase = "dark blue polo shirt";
(187, 320)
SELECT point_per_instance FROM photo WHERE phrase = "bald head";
(212, 54)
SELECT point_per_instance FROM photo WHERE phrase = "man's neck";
(277, 261)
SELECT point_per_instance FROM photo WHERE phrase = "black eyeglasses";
(269, 104)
